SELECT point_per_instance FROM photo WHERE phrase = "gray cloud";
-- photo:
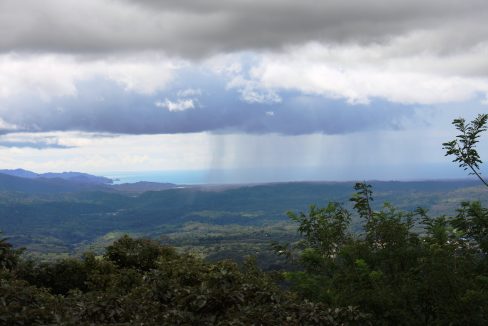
(34, 144)
(130, 113)
(198, 28)
(32, 141)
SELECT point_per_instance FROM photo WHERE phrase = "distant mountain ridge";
(20, 180)
(77, 177)
(11, 183)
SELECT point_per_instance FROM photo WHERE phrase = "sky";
(246, 90)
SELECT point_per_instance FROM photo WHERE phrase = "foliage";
(139, 282)
(390, 271)
(24, 304)
(140, 254)
(8, 256)
(362, 200)
(324, 229)
(464, 146)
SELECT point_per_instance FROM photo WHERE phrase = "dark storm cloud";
(103, 106)
(197, 28)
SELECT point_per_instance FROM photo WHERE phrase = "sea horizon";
(269, 175)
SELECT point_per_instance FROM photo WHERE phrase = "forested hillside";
(387, 273)
(228, 222)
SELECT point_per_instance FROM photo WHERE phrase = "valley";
(58, 218)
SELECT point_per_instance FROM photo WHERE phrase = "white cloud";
(224, 64)
(56, 75)
(358, 74)
(253, 92)
(139, 75)
(89, 152)
(5, 126)
(189, 92)
(176, 106)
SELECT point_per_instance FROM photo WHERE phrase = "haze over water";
(233, 176)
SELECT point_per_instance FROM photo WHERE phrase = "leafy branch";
(463, 147)
(362, 200)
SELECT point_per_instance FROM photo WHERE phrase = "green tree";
(393, 272)
(164, 289)
(141, 254)
(463, 147)
(9, 256)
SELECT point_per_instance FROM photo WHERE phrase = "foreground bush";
(139, 282)
(403, 269)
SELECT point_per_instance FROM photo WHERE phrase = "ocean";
(177, 177)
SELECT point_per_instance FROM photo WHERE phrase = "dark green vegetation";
(139, 282)
(385, 273)
(218, 223)
(389, 270)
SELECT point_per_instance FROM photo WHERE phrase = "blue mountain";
(77, 177)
